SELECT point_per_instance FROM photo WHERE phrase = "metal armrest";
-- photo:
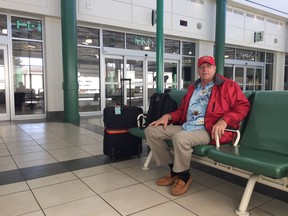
(236, 141)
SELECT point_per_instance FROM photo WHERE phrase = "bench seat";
(261, 162)
(197, 150)
(263, 148)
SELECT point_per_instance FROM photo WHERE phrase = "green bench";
(263, 148)
(198, 151)
(262, 152)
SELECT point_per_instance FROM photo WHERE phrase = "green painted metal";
(69, 50)
(220, 35)
(160, 47)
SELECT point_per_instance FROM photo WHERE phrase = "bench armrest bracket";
(236, 140)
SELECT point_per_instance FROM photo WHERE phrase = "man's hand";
(162, 121)
(219, 128)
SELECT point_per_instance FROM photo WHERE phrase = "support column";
(69, 52)
(160, 47)
(220, 35)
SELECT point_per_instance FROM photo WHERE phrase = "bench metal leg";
(242, 211)
(147, 161)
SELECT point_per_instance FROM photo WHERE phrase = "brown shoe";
(180, 187)
(167, 180)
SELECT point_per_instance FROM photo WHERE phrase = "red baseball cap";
(206, 59)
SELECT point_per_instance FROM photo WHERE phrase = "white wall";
(241, 26)
(136, 14)
(271, 7)
(45, 7)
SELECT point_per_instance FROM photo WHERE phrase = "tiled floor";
(49, 168)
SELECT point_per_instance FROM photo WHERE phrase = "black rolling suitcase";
(118, 142)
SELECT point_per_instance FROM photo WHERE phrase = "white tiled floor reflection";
(114, 189)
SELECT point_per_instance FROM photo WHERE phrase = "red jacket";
(227, 101)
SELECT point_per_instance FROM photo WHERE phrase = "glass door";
(5, 113)
(239, 76)
(254, 78)
(115, 72)
(134, 71)
(249, 78)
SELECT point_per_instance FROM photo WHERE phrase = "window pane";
(3, 25)
(28, 77)
(113, 39)
(269, 77)
(239, 74)
(170, 75)
(188, 48)
(89, 79)
(172, 46)
(228, 72)
(2, 83)
(250, 79)
(260, 56)
(26, 28)
(151, 78)
(134, 71)
(87, 36)
(248, 55)
(286, 73)
(269, 57)
(229, 53)
(114, 72)
(138, 42)
(258, 76)
(286, 78)
(188, 68)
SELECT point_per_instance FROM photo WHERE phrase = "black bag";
(117, 120)
(160, 104)
(119, 144)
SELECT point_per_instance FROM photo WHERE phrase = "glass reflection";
(114, 72)
(89, 79)
(26, 28)
(134, 71)
(87, 36)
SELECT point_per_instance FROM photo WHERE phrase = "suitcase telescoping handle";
(122, 91)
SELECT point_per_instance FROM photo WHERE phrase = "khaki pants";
(183, 141)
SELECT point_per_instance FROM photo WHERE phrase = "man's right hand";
(162, 121)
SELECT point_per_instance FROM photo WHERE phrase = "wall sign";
(258, 36)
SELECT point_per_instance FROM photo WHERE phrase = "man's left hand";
(219, 128)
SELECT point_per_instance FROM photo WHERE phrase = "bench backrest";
(266, 127)
(177, 95)
(250, 96)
